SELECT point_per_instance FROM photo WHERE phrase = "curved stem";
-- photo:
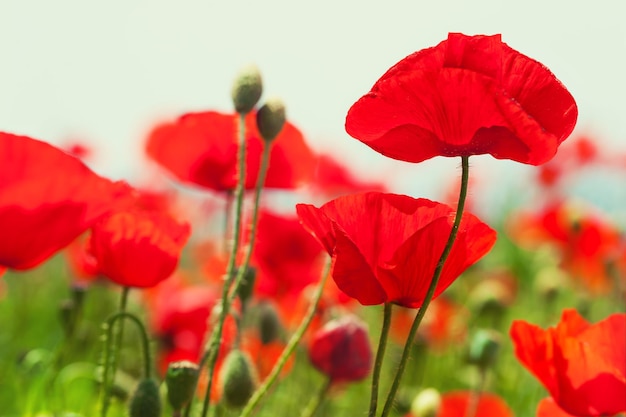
(380, 353)
(106, 385)
(144, 337)
(431, 289)
(293, 342)
(216, 335)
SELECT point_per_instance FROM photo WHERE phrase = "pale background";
(103, 72)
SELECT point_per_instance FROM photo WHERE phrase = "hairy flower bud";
(181, 380)
(145, 401)
(271, 118)
(247, 89)
(238, 379)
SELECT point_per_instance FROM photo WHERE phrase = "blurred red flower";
(47, 199)
(468, 95)
(548, 408)
(201, 149)
(582, 365)
(286, 257)
(587, 243)
(333, 179)
(137, 248)
(385, 247)
(341, 350)
(454, 404)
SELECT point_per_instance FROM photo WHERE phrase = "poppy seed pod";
(181, 380)
(271, 118)
(341, 349)
(238, 379)
(145, 401)
(247, 89)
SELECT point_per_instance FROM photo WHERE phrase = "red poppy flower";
(201, 149)
(469, 95)
(286, 257)
(385, 247)
(334, 179)
(585, 240)
(47, 199)
(582, 365)
(136, 248)
(341, 350)
(454, 404)
(548, 408)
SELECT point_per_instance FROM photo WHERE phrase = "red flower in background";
(136, 248)
(47, 199)
(286, 257)
(341, 350)
(587, 243)
(548, 408)
(201, 149)
(582, 365)
(454, 404)
(469, 95)
(334, 179)
(385, 246)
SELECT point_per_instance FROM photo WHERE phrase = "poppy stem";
(241, 271)
(216, 335)
(293, 342)
(108, 328)
(316, 401)
(228, 212)
(380, 353)
(431, 289)
(110, 358)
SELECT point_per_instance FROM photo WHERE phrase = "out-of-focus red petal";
(548, 408)
(454, 404)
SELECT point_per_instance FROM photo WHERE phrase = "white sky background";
(105, 71)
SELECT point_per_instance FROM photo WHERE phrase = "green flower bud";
(181, 378)
(269, 323)
(484, 348)
(238, 379)
(247, 284)
(247, 89)
(426, 404)
(271, 118)
(145, 401)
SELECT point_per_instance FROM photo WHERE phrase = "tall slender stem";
(433, 285)
(317, 400)
(111, 362)
(378, 362)
(293, 342)
(216, 335)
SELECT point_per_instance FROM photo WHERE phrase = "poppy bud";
(484, 348)
(238, 379)
(271, 118)
(145, 401)
(269, 323)
(426, 404)
(341, 349)
(181, 378)
(247, 89)
(244, 292)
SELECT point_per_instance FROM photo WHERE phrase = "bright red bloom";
(385, 247)
(582, 365)
(334, 179)
(454, 404)
(47, 199)
(201, 149)
(341, 350)
(136, 248)
(469, 95)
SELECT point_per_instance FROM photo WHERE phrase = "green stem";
(144, 337)
(472, 406)
(293, 342)
(216, 335)
(241, 271)
(380, 353)
(433, 285)
(228, 211)
(106, 384)
(316, 401)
